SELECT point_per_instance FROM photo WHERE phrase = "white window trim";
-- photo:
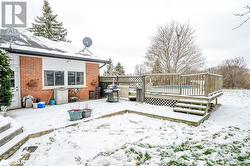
(76, 78)
(55, 78)
(65, 79)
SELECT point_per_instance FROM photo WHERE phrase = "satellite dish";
(87, 42)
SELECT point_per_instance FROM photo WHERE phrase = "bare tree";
(245, 15)
(235, 73)
(174, 47)
(157, 67)
(140, 69)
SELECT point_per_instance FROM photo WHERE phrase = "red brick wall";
(31, 69)
(92, 80)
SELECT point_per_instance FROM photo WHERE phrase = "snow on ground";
(57, 116)
(224, 139)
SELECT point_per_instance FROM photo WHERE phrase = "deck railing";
(200, 84)
(214, 83)
(162, 83)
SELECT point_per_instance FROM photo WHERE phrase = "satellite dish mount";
(87, 42)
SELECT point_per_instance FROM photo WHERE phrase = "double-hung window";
(53, 78)
(75, 78)
(12, 79)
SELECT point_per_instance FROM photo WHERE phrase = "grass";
(138, 155)
(209, 151)
(244, 157)
(182, 147)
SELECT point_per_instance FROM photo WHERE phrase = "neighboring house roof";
(24, 42)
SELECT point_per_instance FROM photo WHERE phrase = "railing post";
(180, 84)
(143, 88)
(206, 84)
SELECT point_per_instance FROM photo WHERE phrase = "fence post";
(117, 80)
(143, 87)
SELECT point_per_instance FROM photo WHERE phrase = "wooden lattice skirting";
(160, 101)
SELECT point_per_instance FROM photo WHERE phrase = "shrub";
(5, 81)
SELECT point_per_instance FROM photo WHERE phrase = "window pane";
(71, 78)
(59, 78)
(79, 78)
(49, 78)
(12, 79)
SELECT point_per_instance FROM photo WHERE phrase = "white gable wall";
(65, 65)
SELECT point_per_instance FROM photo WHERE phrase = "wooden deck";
(169, 89)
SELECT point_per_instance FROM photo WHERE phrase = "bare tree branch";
(243, 15)
(242, 23)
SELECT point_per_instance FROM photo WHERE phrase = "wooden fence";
(124, 83)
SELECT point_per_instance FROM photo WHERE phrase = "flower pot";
(86, 112)
(52, 102)
(75, 115)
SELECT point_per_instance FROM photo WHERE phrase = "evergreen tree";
(48, 26)
(5, 81)
(119, 69)
(109, 69)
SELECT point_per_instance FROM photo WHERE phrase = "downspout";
(105, 63)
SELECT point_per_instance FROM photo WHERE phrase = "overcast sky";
(121, 29)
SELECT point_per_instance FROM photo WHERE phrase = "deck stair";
(9, 130)
(192, 106)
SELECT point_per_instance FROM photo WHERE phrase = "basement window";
(75, 78)
(53, 78)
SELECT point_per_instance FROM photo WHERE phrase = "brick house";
(40, 66)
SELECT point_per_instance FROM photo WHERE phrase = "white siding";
(65, 65)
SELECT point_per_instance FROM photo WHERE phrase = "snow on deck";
(36, 120)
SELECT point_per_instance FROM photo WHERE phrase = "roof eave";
(53, 55)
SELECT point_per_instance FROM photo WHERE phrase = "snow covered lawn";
(128, 139)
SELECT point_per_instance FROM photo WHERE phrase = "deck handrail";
(202, 84)
(201, 74)
(161, 74)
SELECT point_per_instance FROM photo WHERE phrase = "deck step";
(193, 101)
(190, 106)
(189, 111)
(12, 146)
(14, 130)
(5, 125)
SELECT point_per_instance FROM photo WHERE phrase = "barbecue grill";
(112, 92)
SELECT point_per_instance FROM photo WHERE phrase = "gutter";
(52, 55)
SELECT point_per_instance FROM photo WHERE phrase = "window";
(79, 78)
(53, 78)
(71, 78)
(12, 79)
(59, 78)
(75, 78)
